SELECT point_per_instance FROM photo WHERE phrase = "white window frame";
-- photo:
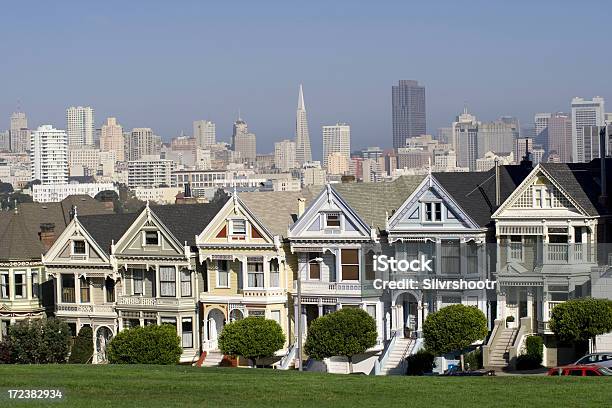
(433, 205)
(191, 342)
(5, 285)
(509, 255)
(144, 238)
(261, 273)
(232, 230)
(35, 277)
(167, 282)
(326, 219)
(277, 272)
(24, 284)
(227, 271)
(72, 246)
(142, 292)
(184, 272)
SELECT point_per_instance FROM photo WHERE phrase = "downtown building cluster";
(539, 232)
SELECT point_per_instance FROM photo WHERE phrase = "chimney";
(47, 235)
(301, 206)
(497, 184)
(603, 198)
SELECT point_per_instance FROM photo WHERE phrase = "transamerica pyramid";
(303, 153)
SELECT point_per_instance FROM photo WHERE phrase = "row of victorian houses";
(540, 233)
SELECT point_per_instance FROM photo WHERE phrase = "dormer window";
(332, 220)
(433, 212)
(238, 227)
(151, 238)
(78, 247)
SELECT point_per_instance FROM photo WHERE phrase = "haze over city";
(165, 65)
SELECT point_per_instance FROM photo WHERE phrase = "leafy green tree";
(82, 349)
(146, 345)
(252, 338)
(581, 319)
(39, 341)
(534, 353)
(346, 332)
(453, 328)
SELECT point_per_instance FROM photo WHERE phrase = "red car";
(590, 370)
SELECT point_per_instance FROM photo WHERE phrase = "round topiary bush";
(146, 345)
(82, 349)
(252, 338)
(453, 328)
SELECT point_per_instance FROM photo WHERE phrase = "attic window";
(151, 238)
(433, 212)
(238, 227)
(78, 247)
(332, 220)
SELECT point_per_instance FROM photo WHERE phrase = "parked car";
(585, 370)
(455, 371)
(601, 359)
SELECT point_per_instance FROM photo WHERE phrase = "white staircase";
(213, 359)
(393, 365)
(501, 347)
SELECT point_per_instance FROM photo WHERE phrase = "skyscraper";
(204, 132)
(244, 142)
(111, 139)
(284, 155)
(49, 155)
(80, 121)
(336, 139)
(408, 111)
(584, 113)
(560, 137)
(141, 142)
(303, 152)
(19, 134)
(540, 121)
(465, 139)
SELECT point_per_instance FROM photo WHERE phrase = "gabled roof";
(19, 232)
(579, 182)
(277, 210)
(373, 201)
(475, 191)
(105, 229)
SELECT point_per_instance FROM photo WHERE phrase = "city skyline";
(500, 84)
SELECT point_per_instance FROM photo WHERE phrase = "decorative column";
(157, 284)
(177, 284)
(77, 288)
(58, 289)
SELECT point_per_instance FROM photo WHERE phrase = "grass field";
(180, 386)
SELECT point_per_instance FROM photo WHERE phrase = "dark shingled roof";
(373, 201)
(475, 191)
(19, 231)
(184, 221)
(581, 181)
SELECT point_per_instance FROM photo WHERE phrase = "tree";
(252, 338)
(581, 319)
(346, 332)
(82, 349)
(39, 341)
(453, 328)
(146, 345)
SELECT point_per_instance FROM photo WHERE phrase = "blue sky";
(164, 64)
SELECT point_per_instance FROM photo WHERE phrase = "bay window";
(167, 281)
(255, 274)
(185, 282)
(349, 259)
(84, 287)
(222, 274)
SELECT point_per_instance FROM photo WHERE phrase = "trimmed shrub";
(534, 352)
(346, 332)
(146, 345)
(252, 338)
(82, 349)
(6, 352)
(39, 341)
(581, 319)
(420, 363)
(453, 328)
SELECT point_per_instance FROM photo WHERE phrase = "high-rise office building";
(336, 139)
(522, 146)
(560, 137)
(497, 136)
(19, 134)
(204, 132)
(465, 140)
(584, 113)
(408, 111)
(111, 139)
(80, 122)
(303, 152)
(49, 155)
(540, 121)
(285, 155)
(244, 142)
(590, 135)
(141, 142)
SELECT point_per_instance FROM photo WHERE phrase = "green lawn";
(180, 386)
